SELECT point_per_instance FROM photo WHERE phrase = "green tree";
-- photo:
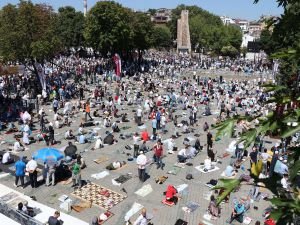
(69, 26)
(27, 34)
(108, 27)
(161, 37)
(142, 31)
(265, 41)
(284, 119)
(229, 51)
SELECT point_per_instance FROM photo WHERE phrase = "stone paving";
(163, 215)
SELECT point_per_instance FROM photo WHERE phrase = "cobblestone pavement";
(163, 215)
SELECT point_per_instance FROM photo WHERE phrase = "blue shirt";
(81, 139)
(239, 208)
(154, 123)
(20, 168)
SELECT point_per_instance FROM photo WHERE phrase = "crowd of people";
(161, 93)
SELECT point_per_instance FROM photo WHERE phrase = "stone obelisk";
(183, 33)
(84, 7)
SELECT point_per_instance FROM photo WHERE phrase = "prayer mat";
(101, 159)
(167, 202)
(144, 191)
(190, 207)
(232, 177)
(224, 155)
(81, 206)
(123, 178)
(99, 196)
(108, 214)
(136, 207)
(66, 182)
(125, 128)
(161, 179)
(101, 175)
(180, 222)
(180, 165)
(175, 170)
(201, 169)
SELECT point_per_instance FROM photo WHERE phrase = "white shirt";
(98, 143)
(265, 156)
(139, 112)
(182, 152)
(135, 139)
(17, 146)
(31, 165)
(6, 157)
(141, 220)
(284, 183)
(141, 161)
(207, 164)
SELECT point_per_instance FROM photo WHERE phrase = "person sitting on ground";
(82, 139)
(143, 219)
(229, 171)
(207, 164)
(11, 127)
(98, 143)
(115, 165)
(27, 209)
(143, 147)
(145, 135)
(182, 155)
(115, 127)
(213, 209)
(238, 212)
(124, 118)
(18, 147)
(81, 130)
(109, 139)
(96, 113)
(7, 158)
(69, 135)
(171, 195)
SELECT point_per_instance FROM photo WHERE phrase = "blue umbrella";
(46, 154)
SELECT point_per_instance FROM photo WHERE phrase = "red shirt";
(145, 136)
(158, 150)
(171, 192)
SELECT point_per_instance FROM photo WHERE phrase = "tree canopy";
(27, 32)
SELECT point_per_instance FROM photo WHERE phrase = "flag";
(118, 65)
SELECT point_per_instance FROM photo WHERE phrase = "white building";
(246, 39)
(227, 20)
(243, 24)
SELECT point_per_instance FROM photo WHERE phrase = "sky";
(243, 9)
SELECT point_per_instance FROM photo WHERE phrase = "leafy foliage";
(228, 185)
(161, 37)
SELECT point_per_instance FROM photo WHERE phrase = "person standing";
(154, 126)
(31, 167)
(76, 175)
(158, 118)
(209, 140)
(139, 114)
(88, 111)
(51, 134)
(55, 105)
(158, 152)
(141, 162)
(20, 172)
(51, 167)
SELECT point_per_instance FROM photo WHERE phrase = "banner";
(9, 70)
(41, 73)
(118, 64)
